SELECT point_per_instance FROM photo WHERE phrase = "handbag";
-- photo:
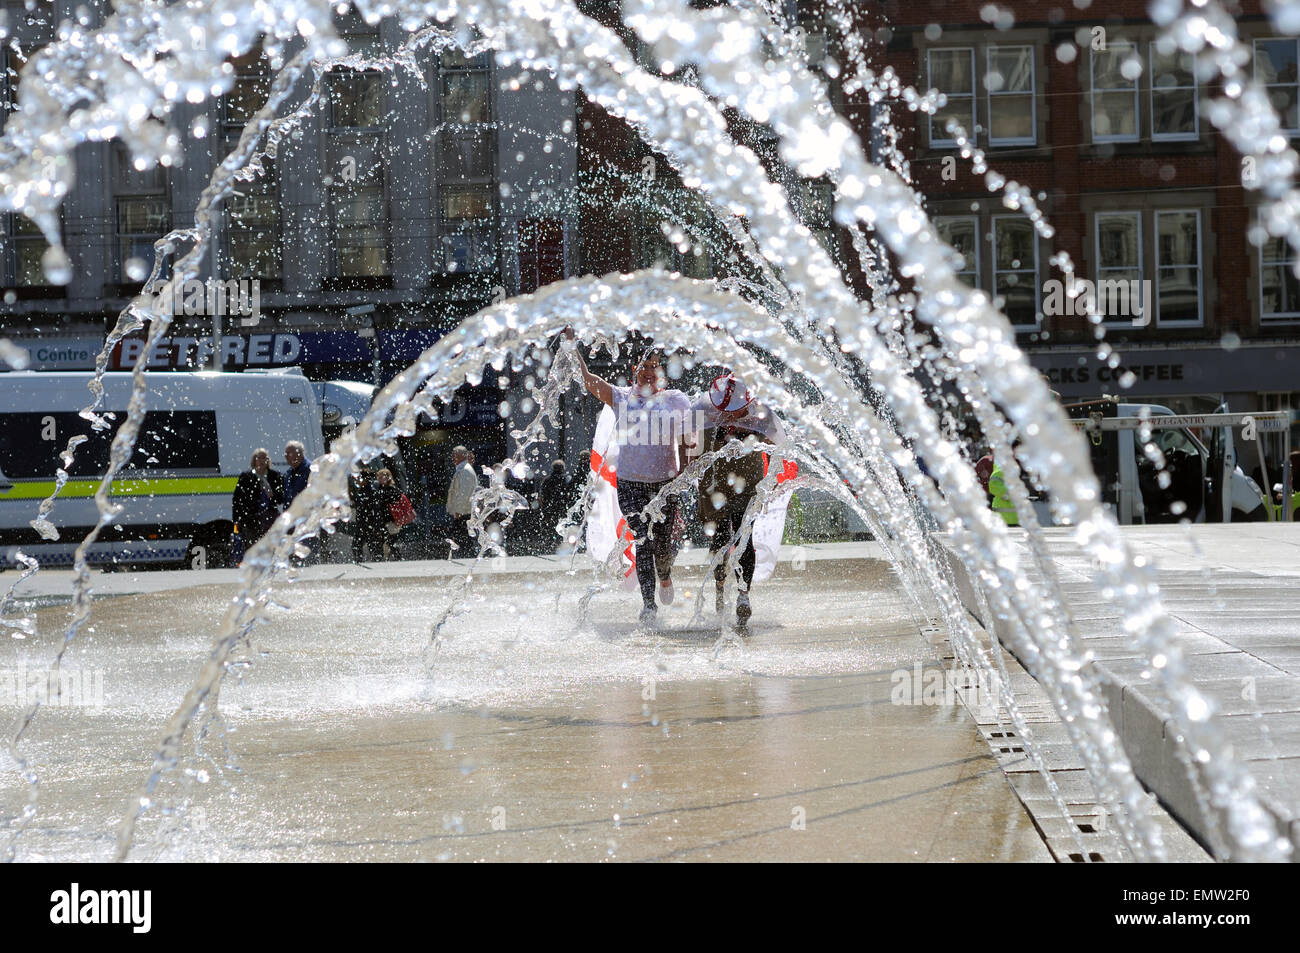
(401, 510)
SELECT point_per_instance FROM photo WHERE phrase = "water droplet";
(57, 265)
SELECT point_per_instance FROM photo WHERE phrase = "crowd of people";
(385, 524)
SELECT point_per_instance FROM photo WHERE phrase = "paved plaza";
(527, 736)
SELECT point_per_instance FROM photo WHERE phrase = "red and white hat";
(729, 394)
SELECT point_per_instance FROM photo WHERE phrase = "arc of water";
(913, 240)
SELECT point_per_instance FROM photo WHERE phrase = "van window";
(1168, 441)
(170, 440)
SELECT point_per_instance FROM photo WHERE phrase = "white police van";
(199, 433)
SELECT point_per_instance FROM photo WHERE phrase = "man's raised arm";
(597, 386)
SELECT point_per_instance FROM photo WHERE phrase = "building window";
(1173, 95)
(250, 91)
(952, 72)
(1115, 93)
(455, 58)
(1276, 66)
(358, 208)
(1279, 289)
(465, 96)
(1015, 268)
(357, 101)
(468, 228)
(11, 62)
(141, 221)
(1010, 84)
(962, 233)
(143, 215)
(1118, 238)
(541, 252)
(23, 247)
(1178, 267)
(466, 157)
(252, 227)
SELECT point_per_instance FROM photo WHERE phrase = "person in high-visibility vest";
(1002, 504)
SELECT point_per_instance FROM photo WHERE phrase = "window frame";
(974, 219)
(1200, 267)
(995, 271)
(973, 95)
(1032, 139)
(337, 195)
(1272, 319)
(13, 235)
(480, 237)
(1132, 45)
(1291, 133)
(1098, 268)
(1195, 134)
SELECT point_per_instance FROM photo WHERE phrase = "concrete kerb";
(1145, 727)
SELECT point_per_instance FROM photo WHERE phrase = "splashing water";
(856, 381)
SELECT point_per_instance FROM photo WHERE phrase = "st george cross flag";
(606, 527)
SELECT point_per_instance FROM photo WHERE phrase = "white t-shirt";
(648, 430)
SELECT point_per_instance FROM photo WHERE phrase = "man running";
(728, 412)
(650, 426)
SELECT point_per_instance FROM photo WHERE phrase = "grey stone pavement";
(1233, 592)
(525, 736)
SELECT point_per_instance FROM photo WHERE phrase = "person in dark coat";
(386, 494)
(368, 517)
(298, 472)
(554, 501)
(258, 499)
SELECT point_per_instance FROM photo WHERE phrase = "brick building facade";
(1100, 121)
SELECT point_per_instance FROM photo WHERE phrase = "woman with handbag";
(394, 505)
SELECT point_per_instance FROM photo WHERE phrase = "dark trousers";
(654, 541)
(458, 532)
(727, 520)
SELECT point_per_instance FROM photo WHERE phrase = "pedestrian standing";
(389, 500)
(296, 475)
(257, 501)
(366, 525)
(460, 498)
(298, 470)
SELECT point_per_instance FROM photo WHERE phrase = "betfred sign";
(179, 352)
